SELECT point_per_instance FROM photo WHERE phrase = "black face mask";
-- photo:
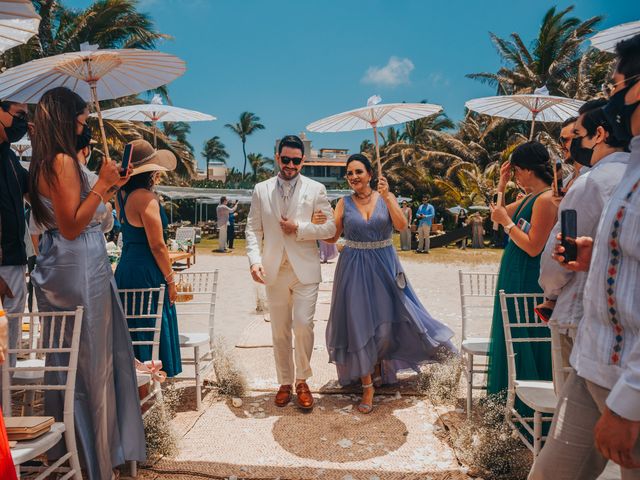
(17, 130)
(84, 139)
(580, 154)
(619, 115)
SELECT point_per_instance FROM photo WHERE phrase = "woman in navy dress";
(145, 259)
(377, 325)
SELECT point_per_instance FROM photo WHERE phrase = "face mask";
(619, 115)
(84, 138)
(580, 154)
(17, 130)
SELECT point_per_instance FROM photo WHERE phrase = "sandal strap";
(368, 385)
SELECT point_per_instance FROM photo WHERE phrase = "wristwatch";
(508, 228)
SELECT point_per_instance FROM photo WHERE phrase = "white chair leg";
(74, 460)
(469, 384)
(133, 468)
(537, 433)
(196, 356)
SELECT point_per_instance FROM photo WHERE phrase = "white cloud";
(395, 72)
(438, 80)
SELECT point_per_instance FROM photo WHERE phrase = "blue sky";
(293, 62)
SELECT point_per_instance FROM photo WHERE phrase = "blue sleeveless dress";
(138, 269)
(375, 314)
(107, 414)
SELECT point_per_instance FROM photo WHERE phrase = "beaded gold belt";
(368, 245)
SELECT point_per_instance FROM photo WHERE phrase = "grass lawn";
(438, 255)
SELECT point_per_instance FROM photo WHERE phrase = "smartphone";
(569, 232)
(497, 201)
(524, 225)
(126, 159)
(559, 185)
(544, 313)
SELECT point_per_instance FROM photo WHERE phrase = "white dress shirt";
(607, 348)
(588, 196)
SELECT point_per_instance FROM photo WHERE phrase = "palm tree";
(214, 150)
(552, 59)
(259, 164)
(179, 131)
(367, 147)
(106, 23)
(248, 124)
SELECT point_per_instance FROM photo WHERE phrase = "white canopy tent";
(211, 196)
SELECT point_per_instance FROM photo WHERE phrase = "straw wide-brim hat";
(145, 158)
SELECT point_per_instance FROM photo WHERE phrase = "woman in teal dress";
(520, 265)
(145, 259)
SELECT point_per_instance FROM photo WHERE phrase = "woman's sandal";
(377, 380)
(366, 408)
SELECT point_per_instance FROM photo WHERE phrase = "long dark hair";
(359, 157)
(535, 157)
(55, 133)
(142, 180)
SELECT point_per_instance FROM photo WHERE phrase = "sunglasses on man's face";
(287, 160)
(351, 173)
(608, 88)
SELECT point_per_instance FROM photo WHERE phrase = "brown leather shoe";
(304, 398)
(283, 397)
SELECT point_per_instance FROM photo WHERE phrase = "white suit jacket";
(266, 242)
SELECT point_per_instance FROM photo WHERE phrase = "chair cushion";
(537, 394)
(30, 375)
(193, 339)
(29, 449)
(476, 346)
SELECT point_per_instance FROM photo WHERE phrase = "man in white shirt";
(598, 413)
(283, 254)
(594, 146)
(222, 219)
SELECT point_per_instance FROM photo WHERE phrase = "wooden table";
(176, 257)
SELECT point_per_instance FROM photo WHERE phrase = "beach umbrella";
(93, 74)
(374, 115)
(22, 147)
(608, 39)
(455, 210)
(18, 23)
(154, 112)
(538, 106)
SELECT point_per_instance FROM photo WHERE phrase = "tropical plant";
(214, 150)
(261, 166)
(551, 59)
(248, 124)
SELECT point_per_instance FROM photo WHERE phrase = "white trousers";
(423, 238)
(222, 237)
(292, 306)
(570, 451)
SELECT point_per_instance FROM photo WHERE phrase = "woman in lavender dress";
(377, 325)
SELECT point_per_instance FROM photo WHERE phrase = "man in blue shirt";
(424, 215)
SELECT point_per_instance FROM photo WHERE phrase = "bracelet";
(97, 194)
(170, 274)
(508, 228)
(172, 282)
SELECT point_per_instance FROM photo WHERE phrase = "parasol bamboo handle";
(94, 97)
(378, 161)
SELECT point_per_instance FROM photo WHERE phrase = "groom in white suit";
(283, 254)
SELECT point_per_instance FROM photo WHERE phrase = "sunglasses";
(351, 173)
(609, 87)
(287, 160)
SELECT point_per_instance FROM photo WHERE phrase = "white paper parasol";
(374, 115)
(22, 147)
(608, 39)
(153, 112)
(18, 23)
(539, 106)
(93, 74)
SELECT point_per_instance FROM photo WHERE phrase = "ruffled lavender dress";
(375, 314)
